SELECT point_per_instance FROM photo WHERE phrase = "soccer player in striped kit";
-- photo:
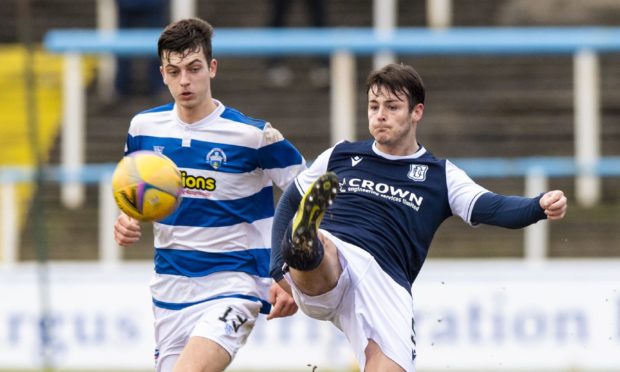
(363, 217)
(211, 276)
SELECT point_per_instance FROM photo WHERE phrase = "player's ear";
(417, 112)
(213, 68)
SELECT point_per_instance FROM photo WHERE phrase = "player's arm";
(126, 230)
(515, 212)
(285, 211)
(475, 204)
(280, 295)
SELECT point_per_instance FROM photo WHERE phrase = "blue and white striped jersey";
(217, 243)
(390, 205)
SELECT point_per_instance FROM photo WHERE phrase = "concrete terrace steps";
(46, 14)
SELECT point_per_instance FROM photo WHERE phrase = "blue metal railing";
(300, 41)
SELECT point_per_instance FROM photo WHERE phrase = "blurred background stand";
(114, 73)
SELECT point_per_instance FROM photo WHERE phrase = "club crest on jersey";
(417, 172)
(158, 149)
(216, 158)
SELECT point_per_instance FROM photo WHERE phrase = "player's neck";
(399, 149)
(192, 115)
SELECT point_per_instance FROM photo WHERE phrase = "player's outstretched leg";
(303, 250)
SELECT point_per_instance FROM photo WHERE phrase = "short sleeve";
(462, 192)
(279, 158)
(316, 169)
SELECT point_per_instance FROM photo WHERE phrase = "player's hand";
(126, 230)
(554, 203)
(283, 303)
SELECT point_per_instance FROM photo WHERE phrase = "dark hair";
(184, 37)
(399, 79)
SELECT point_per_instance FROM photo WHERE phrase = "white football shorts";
(226, 321)
(365, 304)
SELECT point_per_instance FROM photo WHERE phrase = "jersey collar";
(421, 151)
(204, 121)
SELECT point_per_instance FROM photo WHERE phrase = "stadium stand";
(15, 132)
(477, 106)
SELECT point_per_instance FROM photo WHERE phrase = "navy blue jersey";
(391, 206)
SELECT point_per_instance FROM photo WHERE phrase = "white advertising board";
(560, 316)
(470, 315)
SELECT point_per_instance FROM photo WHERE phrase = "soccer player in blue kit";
(211, 277)
(352, 258)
